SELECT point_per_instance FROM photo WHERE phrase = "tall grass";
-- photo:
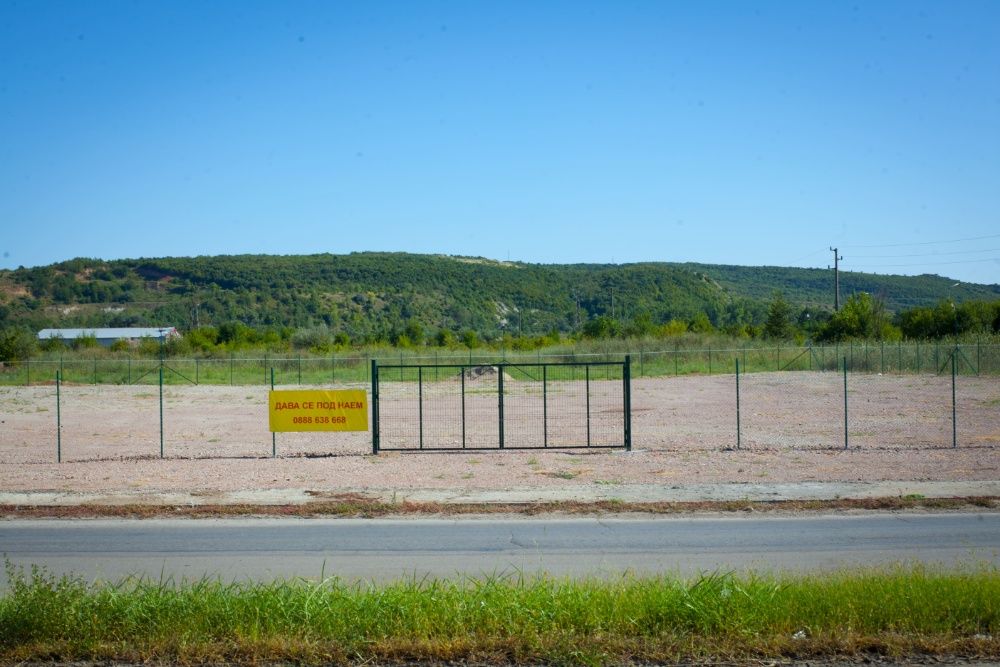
(503, 619)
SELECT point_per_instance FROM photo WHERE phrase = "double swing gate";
(501, 406)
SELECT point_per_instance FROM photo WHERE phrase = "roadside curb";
(626, 493)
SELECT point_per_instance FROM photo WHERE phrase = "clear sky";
(731, 132)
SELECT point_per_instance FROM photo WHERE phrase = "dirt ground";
(216, 438)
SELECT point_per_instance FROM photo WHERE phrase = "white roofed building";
(106, 337)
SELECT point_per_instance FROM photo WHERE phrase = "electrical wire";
(902, 245)
(930, 254)
(961, 261)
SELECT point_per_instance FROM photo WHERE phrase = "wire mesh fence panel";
(524, 405)
(109, 422)
(566, 418)
(28, 433)
(516, 406)
(399, 408)
(482, 407)
(441, 409)
(666, 357)
(204, 422)
(898, 411)
(791, 410)
(606, 416)
(686, 412)
(977, 400)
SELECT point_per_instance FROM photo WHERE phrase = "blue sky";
(733, 132)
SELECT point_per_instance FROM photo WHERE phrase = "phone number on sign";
(322, 419)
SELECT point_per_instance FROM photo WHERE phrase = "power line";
(901, 245)
(799, 259)
(931, 254)
(962, 261)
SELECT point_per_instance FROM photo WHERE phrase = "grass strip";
(899, 612)
(359, 506)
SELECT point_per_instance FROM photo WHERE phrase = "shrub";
(16, 344)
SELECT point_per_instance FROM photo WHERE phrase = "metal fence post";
(274, 437)
(58, 419)
(420, 403)
(954, 409)
(161, 412)
(300, 370)
(95, 370)
(230, 369)
(545, 407)
(500, 400)
(374, 406)
(587, 377)
(197, 378)
(845, 402)
(462, 374)
(627, 396)
(27, 365)
(738, 432)
(709, 359)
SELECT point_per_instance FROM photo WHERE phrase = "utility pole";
(836, 278)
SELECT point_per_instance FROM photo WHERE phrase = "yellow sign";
(318, 410)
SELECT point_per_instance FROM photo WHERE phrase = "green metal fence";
(513, 405)
(680, 359)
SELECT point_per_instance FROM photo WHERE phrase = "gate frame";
(626, 366)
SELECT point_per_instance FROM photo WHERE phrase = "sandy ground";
(684, 432)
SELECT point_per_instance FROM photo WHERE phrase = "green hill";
(371, 295)
(814, 287)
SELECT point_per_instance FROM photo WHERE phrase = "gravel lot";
(684, 432)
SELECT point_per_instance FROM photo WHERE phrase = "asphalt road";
(389, 549)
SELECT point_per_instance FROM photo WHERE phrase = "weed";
(517, 619)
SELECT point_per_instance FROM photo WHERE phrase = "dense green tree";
(862, 316)
(602, 326)
(16, 344)
(778, 324)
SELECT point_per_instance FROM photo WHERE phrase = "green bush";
(16, 344)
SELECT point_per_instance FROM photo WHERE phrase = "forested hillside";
(374, 296)
(814, 287)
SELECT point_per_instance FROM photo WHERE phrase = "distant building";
(106, 337)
